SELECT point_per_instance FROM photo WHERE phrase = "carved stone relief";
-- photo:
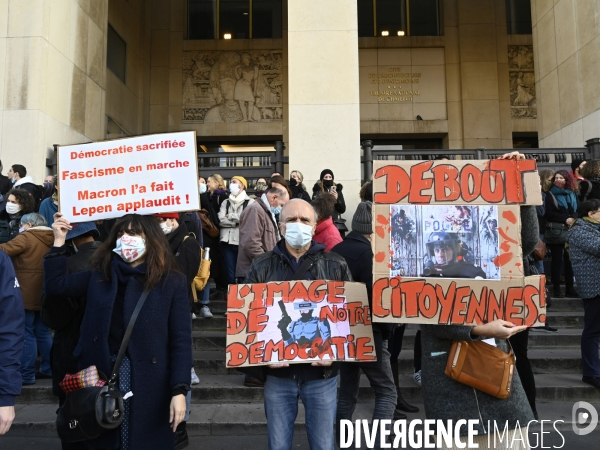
(522, 82)
(232, 86)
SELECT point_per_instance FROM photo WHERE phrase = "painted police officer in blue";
(306, 329)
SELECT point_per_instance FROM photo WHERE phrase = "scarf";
(565, 198)
(124, 271)
(241, 198)
(55, 198)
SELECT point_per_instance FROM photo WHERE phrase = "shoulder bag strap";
(588, 183)
(125, 342)
(304, 267)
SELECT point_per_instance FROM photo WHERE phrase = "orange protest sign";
(447, 242)
(298, 322)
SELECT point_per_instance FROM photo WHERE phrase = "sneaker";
(195, 379)
(417, 378)
(547, 327)
(194, 316)
(205, 312)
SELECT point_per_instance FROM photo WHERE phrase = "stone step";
(218, 322)
(230, 388)
(215, 340)
(558, 304)
(543, 360)
(565, 319)
(557, 319)
(222, 419)
(566, 304)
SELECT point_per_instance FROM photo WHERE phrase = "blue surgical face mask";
(276, 210)
(297, 234)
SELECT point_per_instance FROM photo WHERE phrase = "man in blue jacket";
(12, 332)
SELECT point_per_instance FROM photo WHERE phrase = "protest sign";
(144, 175)
(448, 242)
(298, 322)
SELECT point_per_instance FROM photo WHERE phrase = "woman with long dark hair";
(135, 257)
(561, 208)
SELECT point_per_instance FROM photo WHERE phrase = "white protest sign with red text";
(143, 175)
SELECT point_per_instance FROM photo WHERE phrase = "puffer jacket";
(584, 244)
(27, 252)
(327, 233)
(229, 217)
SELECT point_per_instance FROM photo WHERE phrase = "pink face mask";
(130, 248)
(560, 184)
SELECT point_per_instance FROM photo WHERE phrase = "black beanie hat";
(325, 172)
(362, 221)
(574, 164)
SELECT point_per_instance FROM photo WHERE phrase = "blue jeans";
(204, 298)
(230, 254)
(281, 409)
(37, 337)
(590, 338)
(382, 382)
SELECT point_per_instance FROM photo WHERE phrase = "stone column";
(323, 122)
(566, 46)
(52, 78)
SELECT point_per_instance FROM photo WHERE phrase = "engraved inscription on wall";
(395, 85)
(522, 82)
(232, 86)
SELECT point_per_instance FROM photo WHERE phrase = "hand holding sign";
(500, 329)
(61, 227)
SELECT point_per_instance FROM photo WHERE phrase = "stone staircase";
(221, 405)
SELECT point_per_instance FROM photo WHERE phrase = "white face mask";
(297, 234)
(130, 248)
(234, 189)
(202, 188)
(166, 229)
(12, 208)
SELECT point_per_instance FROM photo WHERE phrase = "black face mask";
(328, 183)
(293, 182)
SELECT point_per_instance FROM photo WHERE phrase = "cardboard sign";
(144, 175)
(298, 322)
(447, 242)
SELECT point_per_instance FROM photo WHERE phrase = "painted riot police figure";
(447, 258)
(304, 330)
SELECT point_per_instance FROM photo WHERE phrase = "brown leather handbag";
(539, 252)
(481, 366)
(207, 225)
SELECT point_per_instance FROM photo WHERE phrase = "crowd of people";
(69, 292)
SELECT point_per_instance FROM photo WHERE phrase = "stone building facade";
(319, 87)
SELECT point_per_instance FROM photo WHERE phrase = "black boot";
(401, 404)
(558, 293)
(571, 292)
(181, 437)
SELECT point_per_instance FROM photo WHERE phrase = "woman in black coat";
(156, 369)
(326, 184)
(297, 186)
(561, 208)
